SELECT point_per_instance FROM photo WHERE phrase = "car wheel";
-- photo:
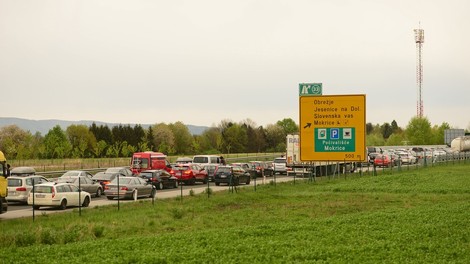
(248, 181)
(135, 195)
(153, 193)
(99, 192)
(160, 186)
(86, 202)
(217, 183)
(205, 180)
(63, 204)
(36, 207)
(192, 181)
(110, 197)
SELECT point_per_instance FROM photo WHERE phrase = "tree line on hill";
(81, 141)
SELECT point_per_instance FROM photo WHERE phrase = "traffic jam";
(149, 176)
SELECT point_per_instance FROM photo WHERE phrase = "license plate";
(11, 193)
(40, 195)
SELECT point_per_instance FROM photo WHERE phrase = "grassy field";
(417, 216)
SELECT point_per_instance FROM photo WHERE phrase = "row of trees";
(80, 141)
(419, 131)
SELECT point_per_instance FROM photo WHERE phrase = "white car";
(19, 187)
(280, 165)
(58, 195)
(407, 158)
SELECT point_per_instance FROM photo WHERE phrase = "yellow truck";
(3, 183)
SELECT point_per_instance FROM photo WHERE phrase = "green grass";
(418, 216)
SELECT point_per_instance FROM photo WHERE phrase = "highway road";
(16, 210)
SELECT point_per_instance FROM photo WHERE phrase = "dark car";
(129, 187)
(262, 168)
(210, 168)
(231, 175)
(159, 178)
(85, 183)
(104, 178)
(244, 165)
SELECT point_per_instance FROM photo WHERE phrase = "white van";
(207, 159)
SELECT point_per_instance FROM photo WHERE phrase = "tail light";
(106, 182)
(154, 179)
(106, 187)
(187, 172)
(21, 189)
(124, 188)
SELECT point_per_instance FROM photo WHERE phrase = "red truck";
(150, 160)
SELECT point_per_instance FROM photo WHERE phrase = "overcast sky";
(201, 62)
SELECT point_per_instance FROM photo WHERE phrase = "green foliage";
(375, 140)
(288, 125)
(386, 130)
(98, 231)
(183, 138)
(418, 131)
(235, 139)
(56, 143)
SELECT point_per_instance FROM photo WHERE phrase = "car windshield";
(71, 173)
(146, 174)
(14, 182)
(121, 180)
(67, 179)
(103, 176)
(113, 170)
(201, 160)
(181, 167)
(43, 189)
(280, 161)
(224, 170)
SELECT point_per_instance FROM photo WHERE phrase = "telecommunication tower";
(419, 40)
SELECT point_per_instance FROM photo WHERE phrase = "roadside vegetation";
(417, 216)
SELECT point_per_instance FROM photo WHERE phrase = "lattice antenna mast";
(419, 40)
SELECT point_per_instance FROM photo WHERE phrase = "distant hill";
(43, 126)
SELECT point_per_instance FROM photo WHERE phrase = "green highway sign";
(306, 89)
(335, 139)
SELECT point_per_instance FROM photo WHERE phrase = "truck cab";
(149, 160)
(3, 183)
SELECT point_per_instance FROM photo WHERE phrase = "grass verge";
(418, 216)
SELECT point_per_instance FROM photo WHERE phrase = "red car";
(190, 173)
(383, 161)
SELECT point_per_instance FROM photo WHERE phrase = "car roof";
(25, 177)
(23, 170)
(53, 183)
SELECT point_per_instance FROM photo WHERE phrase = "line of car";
(394, 157)
(78, 187)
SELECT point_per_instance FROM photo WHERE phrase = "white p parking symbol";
(334, 133)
